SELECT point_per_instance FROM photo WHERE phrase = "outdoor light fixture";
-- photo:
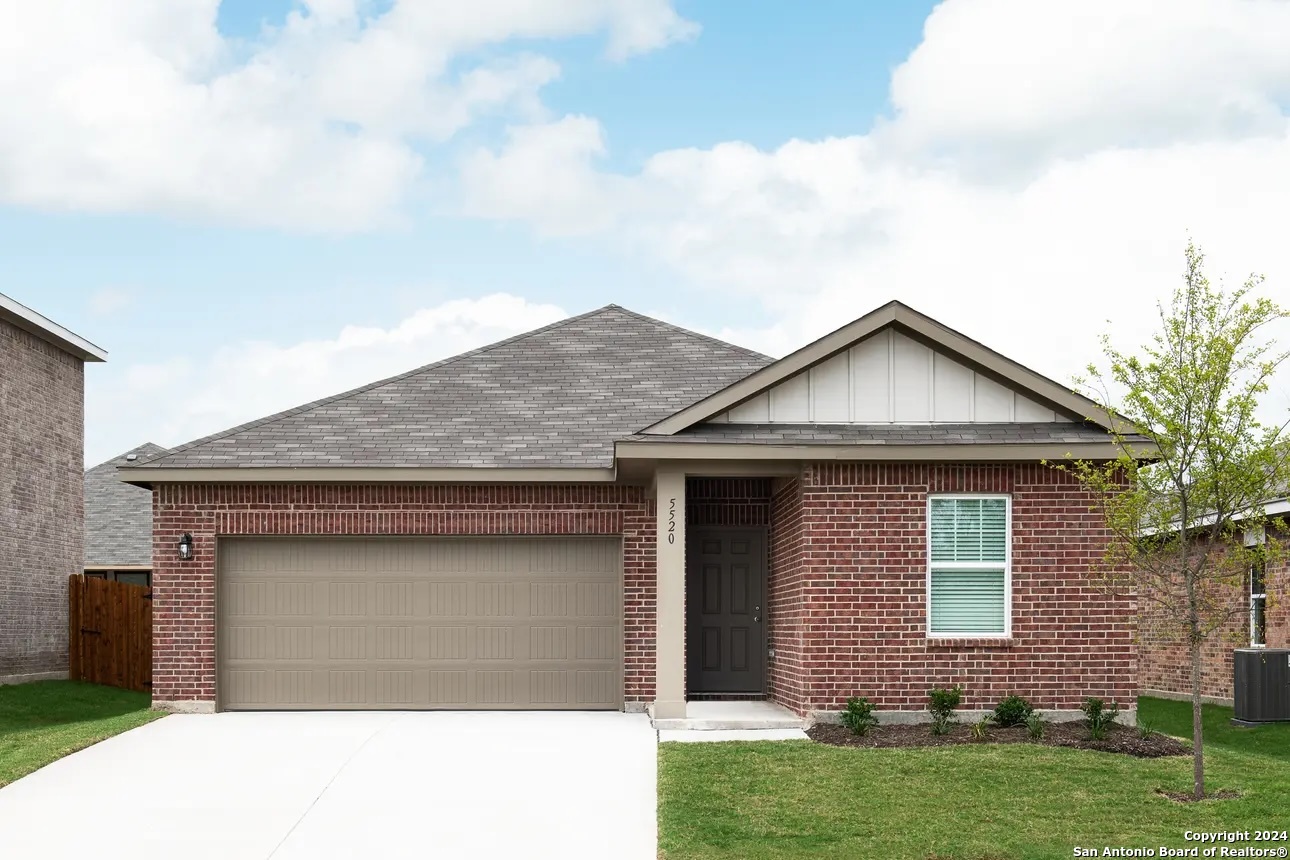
(186, 547)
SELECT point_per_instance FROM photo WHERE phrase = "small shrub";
(859, 716)
(1144, 730)
(1036, 726)
(942, 702)
(1012, 711)
(1099, 716)
(980, 726)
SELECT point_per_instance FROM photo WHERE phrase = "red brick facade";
(1164, 663)
(847, 575)
(857, 534)
(42, 500)
(184, 592)
(787, 681)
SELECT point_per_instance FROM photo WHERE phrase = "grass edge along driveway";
(43, 721)
(798, 799)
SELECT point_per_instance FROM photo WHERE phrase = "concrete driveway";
(345, 785)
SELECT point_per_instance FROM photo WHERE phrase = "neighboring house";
(1262, 622)
(613, 512)
(118, 521)
(42, 440)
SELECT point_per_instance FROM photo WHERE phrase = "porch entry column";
(669, 639)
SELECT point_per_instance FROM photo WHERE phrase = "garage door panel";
(407, 623)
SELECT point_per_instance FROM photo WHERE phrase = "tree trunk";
(1197, 726)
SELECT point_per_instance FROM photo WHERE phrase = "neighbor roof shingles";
(556, 397)
(118, 516)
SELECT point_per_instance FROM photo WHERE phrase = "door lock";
(756, 613)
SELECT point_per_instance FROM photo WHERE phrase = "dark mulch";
(1120, 739)
(1188, 797)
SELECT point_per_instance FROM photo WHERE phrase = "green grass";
(802, 799)
(46, 720)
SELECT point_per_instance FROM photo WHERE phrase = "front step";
(733, 716)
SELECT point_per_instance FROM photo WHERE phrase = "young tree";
(1195, 465)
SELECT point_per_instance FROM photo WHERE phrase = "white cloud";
(1032, 186)
(318, 124)
(188, 398)
(110, 300)
(1020, 79)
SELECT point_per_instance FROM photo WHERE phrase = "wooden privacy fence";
(110, 633)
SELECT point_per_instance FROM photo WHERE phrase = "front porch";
(726, 638)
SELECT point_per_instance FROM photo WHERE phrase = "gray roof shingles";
(556, 397)
(118, 516)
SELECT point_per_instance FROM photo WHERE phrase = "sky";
(255, 203)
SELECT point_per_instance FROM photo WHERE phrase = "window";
(969, 572)
(1258, 604)
(131, 577)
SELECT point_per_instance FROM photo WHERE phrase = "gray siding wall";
(42, 504)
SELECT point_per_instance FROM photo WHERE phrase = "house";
(118, 521)
(612, 512)
(42, 439)
(1263, 621)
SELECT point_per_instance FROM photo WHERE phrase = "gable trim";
(922, 328)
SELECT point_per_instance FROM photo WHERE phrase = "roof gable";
(118, 517)
(555, 397)
(893, 365)
(891, 378)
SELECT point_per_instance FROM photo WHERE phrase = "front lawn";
(43, 721)
(803, 799)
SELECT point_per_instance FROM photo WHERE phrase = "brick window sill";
(952, 642)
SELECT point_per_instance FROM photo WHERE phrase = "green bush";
(941, 703)
(1100, 716)
(1012, 711)
(859, 716)
(1036, 726)
(1145, 730)
(980, 726)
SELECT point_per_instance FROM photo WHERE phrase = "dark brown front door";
(725, 572)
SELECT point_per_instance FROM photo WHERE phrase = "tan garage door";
(419, 623)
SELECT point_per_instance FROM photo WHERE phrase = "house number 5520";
(671, 521)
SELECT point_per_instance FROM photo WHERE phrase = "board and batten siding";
(888, 378)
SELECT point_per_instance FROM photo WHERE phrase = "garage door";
(419, 623)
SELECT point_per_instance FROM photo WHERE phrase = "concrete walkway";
(344, 785)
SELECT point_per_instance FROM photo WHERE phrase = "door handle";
(756, 613)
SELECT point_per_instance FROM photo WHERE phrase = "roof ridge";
(709, 338)
(371, 386)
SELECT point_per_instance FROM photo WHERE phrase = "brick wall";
(184, 592)
(727, 501)
(42, 499)
(785, 605)
(864, 563)
(1165, 665)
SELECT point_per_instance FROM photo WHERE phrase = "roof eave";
(147, 476)
(30, 321)
(969, 452)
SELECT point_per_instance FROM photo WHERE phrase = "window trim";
(1261, 596)
(966, 565)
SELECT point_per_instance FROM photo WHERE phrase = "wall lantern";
(186, 547)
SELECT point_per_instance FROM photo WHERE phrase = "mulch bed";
(1188, 797)
(1120, 739)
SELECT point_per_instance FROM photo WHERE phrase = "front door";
(725, 573)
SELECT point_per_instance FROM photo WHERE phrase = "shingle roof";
(118, 517)
(555, 397)
(885, 434)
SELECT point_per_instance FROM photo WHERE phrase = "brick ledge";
(950, 642)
